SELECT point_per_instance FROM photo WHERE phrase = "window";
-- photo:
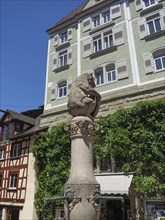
(111, 73)
(103, 17)
(1, 178)
(15, 151)
(6, 128)
(155, 209)
(106, 16)
(99, 77)
(155, 61)
(63, 58)
(154, 25)
(63, 37)
(108, 40)
(97, 44)
(151, 24)
(2, 153)
(142, 4)
(13, 181)
(149, 2)
(62, 89)
(110, 37)
(159, 60)
(96, 21)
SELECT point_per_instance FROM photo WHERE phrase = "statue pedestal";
(82, 181)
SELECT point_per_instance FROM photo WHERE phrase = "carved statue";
(83, 99)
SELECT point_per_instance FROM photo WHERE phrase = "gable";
(92, 3)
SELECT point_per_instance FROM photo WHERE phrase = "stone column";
(82, 182)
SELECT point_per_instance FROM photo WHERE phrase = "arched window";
(154, 61)
(110, 72)
(62, 89)
(159, 59)
(99, 76)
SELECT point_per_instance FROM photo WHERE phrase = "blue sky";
(23, 49)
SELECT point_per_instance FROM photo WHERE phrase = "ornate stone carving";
(83, 99)
(82, 125)
(91, 198)
(76, 199)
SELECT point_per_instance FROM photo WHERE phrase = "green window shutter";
(118, 35)
(115, 11)
(69, 55)
(56, 40)
(138, 5)
(87, 47)
(148, 62)
(121, 67)
(53, 91)
(55, 61)
(86, 24)
(142, 27)
(69, 33)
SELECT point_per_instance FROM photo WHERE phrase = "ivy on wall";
(134, 136)
(52, 152)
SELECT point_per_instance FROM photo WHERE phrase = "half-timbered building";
(17, 164)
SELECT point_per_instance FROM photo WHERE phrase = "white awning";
(114, 183)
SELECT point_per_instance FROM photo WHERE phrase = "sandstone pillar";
(82, 182)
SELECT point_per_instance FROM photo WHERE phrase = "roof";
(70, 15)
(36, 129)
(77, 13)
(18, 116)
(117, 183)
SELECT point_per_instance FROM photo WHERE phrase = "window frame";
(104, 16)
(1, 179)
(97, 44)
(110, 42)
(154, 25)
(160, 56)
(63, 37)
(15, 151)
(63, 58)
(112, 73)
(13, 180)
(99, 76)
(96, 20)
(2, 153)
(119, 68)
(149, 3)
(62, 89)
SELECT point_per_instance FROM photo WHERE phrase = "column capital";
(82, 125)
